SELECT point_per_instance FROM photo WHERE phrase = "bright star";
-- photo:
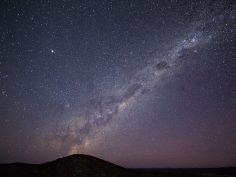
(52, 51)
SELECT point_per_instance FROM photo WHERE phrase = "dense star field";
(141, 83)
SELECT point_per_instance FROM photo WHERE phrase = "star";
(52, 51)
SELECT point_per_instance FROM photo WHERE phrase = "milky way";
(139, 83)
(75, 135)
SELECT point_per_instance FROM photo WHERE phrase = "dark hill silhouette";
(80, 165)
(71, 166)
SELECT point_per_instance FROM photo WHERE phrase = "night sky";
(140, 83)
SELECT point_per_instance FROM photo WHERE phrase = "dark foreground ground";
(88, 166)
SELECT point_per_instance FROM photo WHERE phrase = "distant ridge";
(81, 165)
(82, 160)
(71, 166)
